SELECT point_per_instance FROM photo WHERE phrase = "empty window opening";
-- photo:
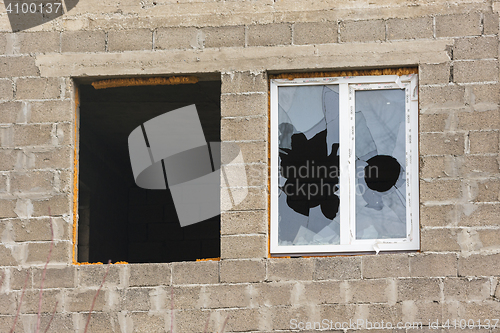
(117, 219)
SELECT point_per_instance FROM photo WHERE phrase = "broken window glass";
(308, 135)
(380, 164)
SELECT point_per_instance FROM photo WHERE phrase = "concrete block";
(475, 48)
(470, 25)
(490, 23)
(7, 208)
(290, 269)
(488, 239)
(256, 199)
(38, 88)
(257, 174)
(244, 129)
(32, 182)
(413, 289)
(101, 322)
(272, 294)
(368, 291)
(228, 36)
(479, 166)
(485, 97)
(442, 144)
(8, 321)
(241, 82)
(335, 313)
(240, 105)
(18, 66)
(240, 247)
(195, 272)
(249, 222)
(269, 34)
(437, 166)
(51, 111)
(479, 120)
(228, 296)
(10, 112)
(410, 28)
(51, 158)
(433, 265)
(438, 240)
(434, 73)
(55, 277)
(58, 204)
(64, 134)
(32, 135)
(149, 274)
(135, 299)
(6, 90)
(78, 300)
(185, 297)
(238, 271)
(252, 152)
(315, 33)
(18, 278)
(440, 190)
(488, 191)
(3, 183)
(362, 31)
(24, 230)
(39, 42)
(92, 275)
(438, 216)
(83, 41)
(6, 257)
(337, 268)
(50, 297)
(485, 309)
(385, 312)
(386, 265)
(475, 71)
(144, 322)
(241, 320)
(8, 158)
(192, 321)
(441, 97)
(61, 323)
(178, 38)
(38, 252)
(4, 37)
(324, 292)
(484, 142)
(280, 317)
(473, 215)
(130, 40)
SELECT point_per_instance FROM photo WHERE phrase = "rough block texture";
(269, 34)
(130, 40)
(315, 33)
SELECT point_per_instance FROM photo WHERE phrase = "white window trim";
(347, 88)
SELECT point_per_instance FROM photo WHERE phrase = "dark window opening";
(117, 219)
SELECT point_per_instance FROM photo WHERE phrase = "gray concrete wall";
(454, 276)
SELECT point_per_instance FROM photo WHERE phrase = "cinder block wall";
(454, 276)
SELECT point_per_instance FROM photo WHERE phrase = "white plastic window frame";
(347, 89)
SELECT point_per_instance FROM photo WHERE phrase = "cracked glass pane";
(380, 164)
(308, 129)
